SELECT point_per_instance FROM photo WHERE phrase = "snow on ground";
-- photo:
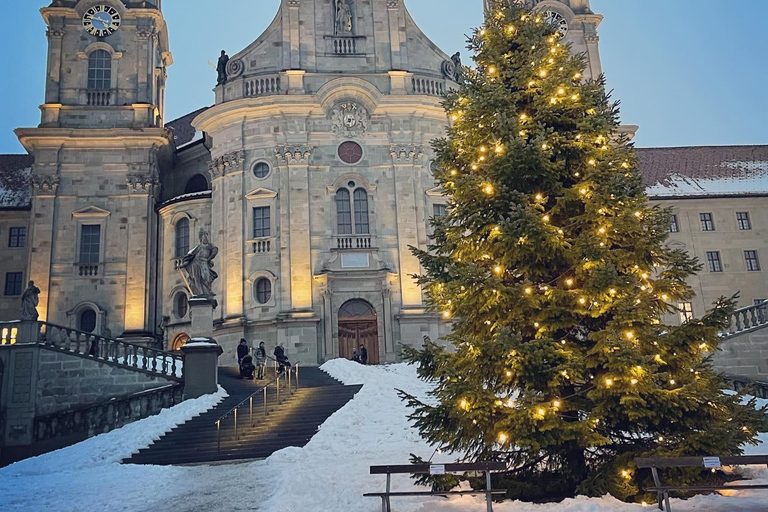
(330, 474)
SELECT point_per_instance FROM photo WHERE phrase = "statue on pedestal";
(221, 68)
(198, 266)
(29, 302)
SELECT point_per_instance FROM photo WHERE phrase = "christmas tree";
(553, 266)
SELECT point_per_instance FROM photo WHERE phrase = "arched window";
(263, 290)
(180, 305)
(99, 70)
(87, 320)
(361, 212)
(196, 183)
(182, 237)
(343, 212)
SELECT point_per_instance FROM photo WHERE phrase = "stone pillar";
(19, 397)
(393, 9)
(28, 332)
(201, 367)
(41, 236)
(201, 314)
(405, 157)
(55, 35)
(294, 34)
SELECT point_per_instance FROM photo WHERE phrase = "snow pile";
(742, 178)
(330, 474)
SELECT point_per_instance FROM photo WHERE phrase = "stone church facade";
(312, 173)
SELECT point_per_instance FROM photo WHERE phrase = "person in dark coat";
(282, 360)
(363, 354)
(242, 350)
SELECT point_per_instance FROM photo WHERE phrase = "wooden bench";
(662, 491)
(436, 469)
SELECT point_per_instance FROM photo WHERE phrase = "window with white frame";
(743, 221)
(752, 261)
(262, 226)
(713, 261)
(99, 70)
(674, 226)
(439, 211)
(707, 222)
(90, 243)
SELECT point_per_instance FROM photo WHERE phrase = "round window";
(263, 290)
(261, 170)
(350, 152)
(180, 305)
(433, 168)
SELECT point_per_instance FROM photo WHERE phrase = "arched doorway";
(358, 326)
(179, 341)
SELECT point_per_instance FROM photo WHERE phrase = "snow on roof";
(183, 131)
(15, 181)
(704, 171)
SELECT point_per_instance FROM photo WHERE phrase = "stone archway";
(179, 341)
(358, 325)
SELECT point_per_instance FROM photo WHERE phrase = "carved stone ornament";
(227, 163)
(349, 119)
(293, 155)
(45, 184)
(393, 4)
(141, 184)
(235, 68)
(449, 69)
(405, 153)
(344, 17)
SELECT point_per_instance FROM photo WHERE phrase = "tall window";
(13, 283)
(182, 237)
(361, 212)
(742, 219)
(261, 222)
(180, 305)
(753, 263)
(100, 70)
(686, 312)
(713, 261)
(707, 223)
(263, 290)
(343, 212)
(17, 237)
(90, 243)
(88, 320)
(674, 227)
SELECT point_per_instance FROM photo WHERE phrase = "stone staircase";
(292, 422)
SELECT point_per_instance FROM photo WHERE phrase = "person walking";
(363, 354)
(261, 360)
(282, 360)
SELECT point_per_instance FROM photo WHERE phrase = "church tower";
(575, 21)
(98, 152)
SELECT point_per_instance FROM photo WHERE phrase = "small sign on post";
(712, 462)
(437, 469)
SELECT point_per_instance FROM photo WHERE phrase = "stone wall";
(745, 355)
(66, 381)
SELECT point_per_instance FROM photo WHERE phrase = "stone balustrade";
(261, 85)
(354, 242)
(748, 318)
(98, 98)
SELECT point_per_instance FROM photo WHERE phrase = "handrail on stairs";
(291, 377)
(747, 318)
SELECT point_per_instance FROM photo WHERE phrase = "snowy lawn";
(330, 474)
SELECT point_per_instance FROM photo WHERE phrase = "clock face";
(557, 20)
(101, 20)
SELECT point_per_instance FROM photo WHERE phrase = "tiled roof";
(704, 170)
(15, 181)
(183, 131)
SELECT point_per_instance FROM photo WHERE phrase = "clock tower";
(98, 153)
(575, 21)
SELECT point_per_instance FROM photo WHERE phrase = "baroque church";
(313, 183)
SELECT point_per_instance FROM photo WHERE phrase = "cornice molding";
(226, 164)
(293, 154)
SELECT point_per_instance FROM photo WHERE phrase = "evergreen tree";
(553, 266)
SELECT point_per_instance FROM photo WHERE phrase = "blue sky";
(689, 72)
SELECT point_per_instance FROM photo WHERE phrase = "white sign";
(437, 469)
(712, 462)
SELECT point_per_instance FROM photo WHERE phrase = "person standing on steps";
(242, 351)
(363, 354)
(261, 360)
(282, 360)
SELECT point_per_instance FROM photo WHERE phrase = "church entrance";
(358, 326)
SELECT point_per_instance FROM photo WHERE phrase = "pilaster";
(55, 35)
(44, 188)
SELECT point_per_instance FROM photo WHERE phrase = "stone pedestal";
(201, 313)
(201, 367)
(29, 332)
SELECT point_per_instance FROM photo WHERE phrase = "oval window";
(88, 320)
(263, 290)
(261, 170)
(181, 305)
(350, 152)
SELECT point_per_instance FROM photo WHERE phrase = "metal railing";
(290, 377)
(745, 319)
(113, 352)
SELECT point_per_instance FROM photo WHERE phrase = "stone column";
(41, 236)
(393, 9)
(294, 161)
(55, 35)
(201, 367)
(405, 158)
(19, 397)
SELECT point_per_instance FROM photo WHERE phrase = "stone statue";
(198, 265)
(343, 17)
(456, 59)
(29, 302)
(221, 68)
